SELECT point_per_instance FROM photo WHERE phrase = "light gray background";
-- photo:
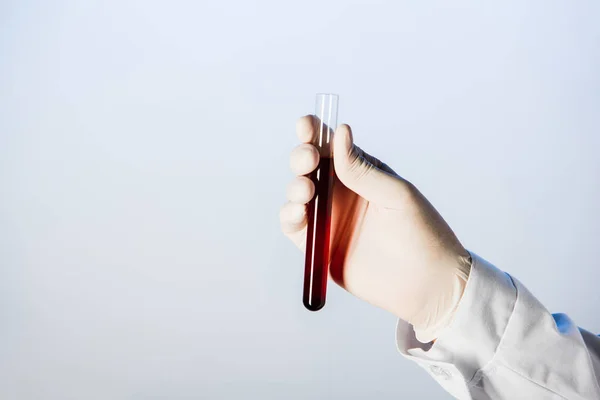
(144, 157)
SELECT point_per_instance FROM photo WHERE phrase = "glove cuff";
(448, 301)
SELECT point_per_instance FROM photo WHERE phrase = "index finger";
(305, 129)
(308, 127)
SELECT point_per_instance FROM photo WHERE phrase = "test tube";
(316, 267)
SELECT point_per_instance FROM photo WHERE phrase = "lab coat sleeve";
(503, 344)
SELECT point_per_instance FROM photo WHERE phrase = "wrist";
(443, 302)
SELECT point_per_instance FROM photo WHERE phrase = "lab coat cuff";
(471, 340)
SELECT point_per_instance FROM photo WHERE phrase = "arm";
(503, 344)
(487, 336)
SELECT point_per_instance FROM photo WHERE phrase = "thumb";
(362, 173)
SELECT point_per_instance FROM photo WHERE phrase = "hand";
(389, 245)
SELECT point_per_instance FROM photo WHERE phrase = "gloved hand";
(389, 246)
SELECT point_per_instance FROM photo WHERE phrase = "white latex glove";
(389, 246)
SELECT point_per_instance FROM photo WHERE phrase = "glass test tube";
(316, 267)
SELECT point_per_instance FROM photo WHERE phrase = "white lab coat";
(503, 344)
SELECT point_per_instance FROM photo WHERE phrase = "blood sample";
(316, 267)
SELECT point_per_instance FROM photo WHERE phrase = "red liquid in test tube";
(316, 267)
